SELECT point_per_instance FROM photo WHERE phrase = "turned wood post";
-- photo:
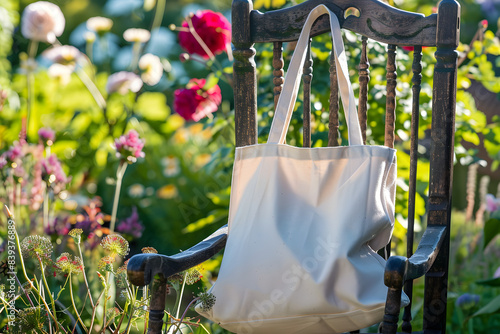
(157, 304)
(245, 85)
(441, 160)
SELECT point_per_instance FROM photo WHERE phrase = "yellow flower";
(168, 191)
(181, 136)
(201, 160)
(196, 128)
(171, 166)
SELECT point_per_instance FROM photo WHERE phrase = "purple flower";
(46, 136)
(3, 161)
(132, 225)
(53, 173)
(467, 301)
(492, 203)
(15, 152)
(129, 147)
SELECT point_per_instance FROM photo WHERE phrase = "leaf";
(491, 229)
(490, 282)
(212, 80)
(490, 308)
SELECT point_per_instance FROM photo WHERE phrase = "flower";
(492, 203)
(36, 246)
(152, 69)
(467, 301)
(201, 160)
(193, 275)
(99, 24)
(42, 21)
(53, 173)
(46, 136)
(115, 244)
(61, 73)
(136, 35)
(194, 102)
(132, 225)
(121, 276)
(149, 250)
(484, 24)
(123, 82)
(76, 234)
(106, 263)
(167, 192)
(171, 166)
(212, 28)
(64, 55)
(66, 265)
(129, 147)
(136, 190)
(207, 301)
(497, 273)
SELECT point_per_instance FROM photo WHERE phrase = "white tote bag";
(304, 224)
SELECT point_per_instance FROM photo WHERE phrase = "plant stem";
(42, 269)
(180, 296)
(184, 314)
(132, 309)
(92, 88)
(119, 177)
(73, 302)
(85, 276)
(93, 312)
(160, 11)
(30, 82)
(46, 207)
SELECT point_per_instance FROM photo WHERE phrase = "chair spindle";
(157, 305)
(415, 115)
(278, 72)
(390, 105)
(364, 77)
(333, 123)
(307, 78)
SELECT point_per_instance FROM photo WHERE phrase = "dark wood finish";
(157, 304)
(142, 268)
(377, 21)
(390, 103)
(333, 123)
(244, 75)
(278, 72)
(306, 113)
(415, 115)
(441, 161)
(364, 78)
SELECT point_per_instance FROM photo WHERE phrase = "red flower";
(194, 103)
(213, 28)
(484, 23)
(410, 48)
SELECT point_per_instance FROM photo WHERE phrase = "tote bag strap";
(286, 102)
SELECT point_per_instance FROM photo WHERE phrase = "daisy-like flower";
(66, 265)
(64, 55)
(123, 82)
(115, 244)
(99, 24)
(61, 73)
(149, 250)
(168, 191)
(129, 147)
(42, 21)
(36, 246)
(76, 234)
(171, 166)
(152, 69)
(135, 35)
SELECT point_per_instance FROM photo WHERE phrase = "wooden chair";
(385, 24)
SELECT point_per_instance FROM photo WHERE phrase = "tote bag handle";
(288, 96)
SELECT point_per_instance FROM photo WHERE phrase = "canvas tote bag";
(304, 224)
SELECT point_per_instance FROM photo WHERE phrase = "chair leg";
(157, 305)
(393, 279)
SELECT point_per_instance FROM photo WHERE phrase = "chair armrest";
(142, 268)
(399, 268)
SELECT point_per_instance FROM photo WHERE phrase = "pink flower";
(213, 28)
(129, 147)
(42, 21)
(484, 24)
(53, 173)
(123, 82)
(194, 103)
(46, 136)
(132, 225)
(492, 203)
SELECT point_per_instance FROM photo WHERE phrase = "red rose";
(194, 103)
(213, 28)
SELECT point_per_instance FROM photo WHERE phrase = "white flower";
(152, 69)
(42, 21)
(99, 24)
(137, 35)
(123, 82)
(136, 190)
(171, 166)
(64, 55)
(61, 73)
(89, 36)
